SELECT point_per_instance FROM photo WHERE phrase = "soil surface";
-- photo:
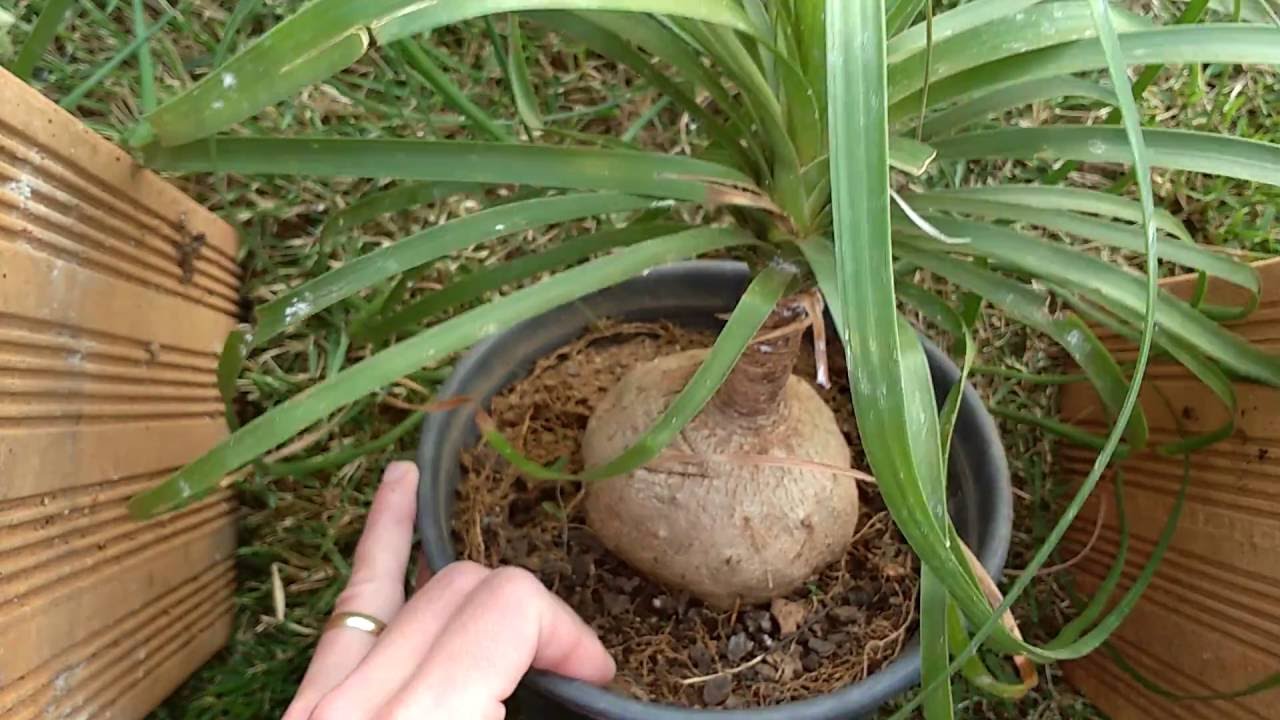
(847, 622)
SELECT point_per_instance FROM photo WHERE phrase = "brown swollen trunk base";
(728, 532)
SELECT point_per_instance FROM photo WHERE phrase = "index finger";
(376, 586)
(509, 623)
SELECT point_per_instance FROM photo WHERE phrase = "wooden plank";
(76, 670)
(1210, 622)
(116, 294)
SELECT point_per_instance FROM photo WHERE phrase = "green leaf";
(230, 362)
(752, 310)
(1030, 307)
(435, 76)
(910, 155)
(72, 99)
(431, 244)
(600, 32)
(1182, 351)
(1056, 197)
(342, 456)
(42, 34)
(934, 598)
(1182, 44)
(1132, 120)
(1039, 26)
(402, 197)
(327, 36)
(243, 10)
(944, 316)
(1125, 237)
(1104, 283)
(414, 17)
(992, 104)
(892, 390)
(1098, 604)
(641, 173)
(146, 68)
(899, 14)
(428, 347)
(935, 652)
(473, 287)
(732, 56)
(1172, 149)
(1098, 635)
(974, 671)
(518, 70)
(951, 23)
(810, 23)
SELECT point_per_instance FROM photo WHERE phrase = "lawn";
(304, 506)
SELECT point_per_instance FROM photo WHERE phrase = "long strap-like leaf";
(1173, 149)
(1105, 283)
(1012, 35)
(1029, 307)
(1176, 45)
(472, 287)
(1137, 147)
(428, 347)
(42, 33)
(640, 173)
(1105, 232)
(326, 36)
(892, 390)
(431, 244)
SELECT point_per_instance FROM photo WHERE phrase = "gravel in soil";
(843, 625)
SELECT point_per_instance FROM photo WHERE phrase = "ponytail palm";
(823, 122)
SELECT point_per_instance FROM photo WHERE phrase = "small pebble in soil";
(583, 568)
(787, 665)
(716, 690)
(701, 659)
(847, 613)
(760, 621)
(822, 647)
(790, 614)
(739, 646)
(616, 604)
(810, 662)
(663, 605)
(858, 598)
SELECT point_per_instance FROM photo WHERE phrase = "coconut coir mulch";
(842, 626)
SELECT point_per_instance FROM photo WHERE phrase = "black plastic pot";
(692, 293)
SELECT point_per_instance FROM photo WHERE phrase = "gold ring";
(356, 621)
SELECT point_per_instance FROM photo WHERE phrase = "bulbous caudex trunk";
(728, 531)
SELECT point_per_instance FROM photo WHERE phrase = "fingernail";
(401, 471)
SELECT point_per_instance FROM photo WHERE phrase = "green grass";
(305, 524)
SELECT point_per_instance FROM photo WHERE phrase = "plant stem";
(754, 388)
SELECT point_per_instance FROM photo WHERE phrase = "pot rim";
(706, 285)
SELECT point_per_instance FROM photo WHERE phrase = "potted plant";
(818, 115)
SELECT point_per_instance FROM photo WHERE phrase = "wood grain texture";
(116, 294)
(1210, 621)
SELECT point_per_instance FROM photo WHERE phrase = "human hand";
(456, 649)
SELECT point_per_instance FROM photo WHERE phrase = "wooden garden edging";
(116, 293)
(1210, 621)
